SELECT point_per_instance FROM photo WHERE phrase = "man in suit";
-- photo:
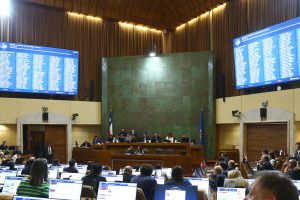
(145, 181)
(145, 138)
(122, 135)
(156, 138)
(72, 168)
(48, 152)
(127, 175)
(85, 144)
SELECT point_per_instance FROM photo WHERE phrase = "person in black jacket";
(127, 175)
(264, 164)
(94, 177)
(26, 170)
(71, 168)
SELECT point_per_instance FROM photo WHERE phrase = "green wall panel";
(161, 94)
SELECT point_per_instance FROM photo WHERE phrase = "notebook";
(230, 193)
(174, 192)
(117, 191)
(65, 189)
(11, 183)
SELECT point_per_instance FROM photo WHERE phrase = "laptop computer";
(105, 172)
(5, 173)
(231, 193)
(201, 183)
(11, 184)
(52, 173)
(65, 189)
(160, 180)
(71, 176)
(174, 192)
(113, 178)
(117, 191)
(297, 184)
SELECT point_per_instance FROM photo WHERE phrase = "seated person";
(130, 150)
(272, 185)
(264, 164)
(1, 157)
(85, 144)
(71, 168)
(145, 181)
(28, 166)
(111, 139)
(236, 180)
(170, 138)
(177, 177)
(122, 135)
(4, 147)
(217, 178)
(156, 138)
(11, 165)
(130, 138)
(37, 185)
(145, 138)
(17, 151)
(127, 175)
(96, 140)
(140, 150)
(185, 138)
(94, 177)
(55, 163)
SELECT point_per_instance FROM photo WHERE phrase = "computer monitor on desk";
(201, 183)
(171, 192)
(27, 198)
(117, 191)
(71, 176)
(11, 184)
(5, 173)
(231, 193)
(113, 178)
(65, 189)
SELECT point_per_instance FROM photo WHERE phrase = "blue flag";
(201, 142)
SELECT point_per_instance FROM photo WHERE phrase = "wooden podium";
(164, 154)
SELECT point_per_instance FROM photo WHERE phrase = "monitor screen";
(231, 193)
(52, 173)
(113, 178)
(5, 173)
(11, 184)
(26, 198)
(171, 192)
(65, 189)
(297, 184)
(37, 69)
(105, 172)
(201, 183)
(160, 180)
(72, 176)
(268, 56)
(117, 191)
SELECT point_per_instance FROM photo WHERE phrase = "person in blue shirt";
(145, 181)
(177, 177)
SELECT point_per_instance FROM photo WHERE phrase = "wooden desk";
(113, 154)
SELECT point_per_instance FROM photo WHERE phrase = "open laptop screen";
(4, 173)
(201, 183)
(113, 178)
(11, 184)
(71, 176)
(230, 193)
(171, 192)
(26, 198)
(117, 191)
(297, 184)
(65, 189)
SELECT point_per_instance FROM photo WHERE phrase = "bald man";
(271, 185)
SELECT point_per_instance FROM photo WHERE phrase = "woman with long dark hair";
(177, 177)
(37, 185)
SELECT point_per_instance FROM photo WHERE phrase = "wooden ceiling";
(161, 14)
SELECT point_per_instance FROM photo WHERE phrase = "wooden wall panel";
(57, 136)
(271, 136)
